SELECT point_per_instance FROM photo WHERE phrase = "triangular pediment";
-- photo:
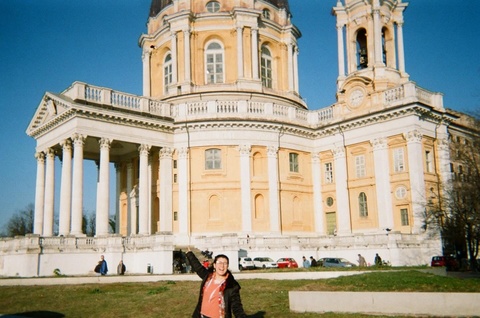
(50, 107)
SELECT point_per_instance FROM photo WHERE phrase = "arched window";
(167, 72)
(214, 207)
(259, 206)
(266, 14)
(362, 204)
(266, 67)
(213, 159)
(362, 52)
(257, 164)
(214, 63)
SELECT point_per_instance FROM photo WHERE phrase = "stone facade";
(221, 152)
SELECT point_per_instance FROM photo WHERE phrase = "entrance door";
(331, 223)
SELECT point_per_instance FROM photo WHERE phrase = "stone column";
(183, 191)
(143, 190)
(382, 183)
(341, 51)
(240, 52)
(401, 52)
(417, 180)
(173, 43)
(49, 193)
(146, 72)
(39, 194)
(255, 70)
(103, 198)
(77, 185)
(245, 182)
(149, 200)
(317, 195)
(118, 176)
(295, 69)
(274, 196)
(290, 67)
(131, 202)
(65, 189)
(377, 33)
(186, 36)
(165, 173)
(341, 187)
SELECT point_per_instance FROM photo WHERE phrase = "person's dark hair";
(221, 256)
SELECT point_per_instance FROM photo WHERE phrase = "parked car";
(245, 263)
(287, 262)
(445, 261)
(335, 262)
(264, 262)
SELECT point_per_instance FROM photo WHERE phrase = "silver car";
(335, 262)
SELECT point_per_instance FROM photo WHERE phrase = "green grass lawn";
(261, 298)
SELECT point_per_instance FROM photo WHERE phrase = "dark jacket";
(231, 294)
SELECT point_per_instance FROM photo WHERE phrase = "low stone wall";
(387, 303)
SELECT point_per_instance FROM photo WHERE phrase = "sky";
(47, 45)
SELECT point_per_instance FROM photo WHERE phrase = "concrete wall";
(391, 303)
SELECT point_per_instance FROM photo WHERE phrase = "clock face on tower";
(356, 97)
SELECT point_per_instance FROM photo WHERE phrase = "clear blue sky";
(47, 45)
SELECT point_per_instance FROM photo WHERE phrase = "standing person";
(219, 291)
(306, 262)
(378, 260)
(103, 266)
(361, 261)
(313, 262)
(121, 268)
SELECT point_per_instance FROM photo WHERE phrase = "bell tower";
(370, 44)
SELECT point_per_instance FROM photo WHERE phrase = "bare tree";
(456, 207)
(88, 224)
(21, 223)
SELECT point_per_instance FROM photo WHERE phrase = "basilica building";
(222, 152)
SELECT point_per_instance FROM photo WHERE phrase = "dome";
(281, 4)
(158, 5)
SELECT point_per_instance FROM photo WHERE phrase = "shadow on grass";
(36, 314)
(258, 314)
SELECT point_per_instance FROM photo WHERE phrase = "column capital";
(272, 151)
(40, 156)
(379, 143)
(105, 143)
(339, 152)
(144, 149)
(315, 157)
(414, 136)
(66, 144)
(165, 153)
(244, 150)
(78, 139)
(50, 152)
(443, 144)
(182, 152)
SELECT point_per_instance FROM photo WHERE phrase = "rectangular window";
(404, 216)
(174, 164)
(360, 166)
(328, 172)
(428, 161)
(293, 162)
(398, 160)
(213, 159)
